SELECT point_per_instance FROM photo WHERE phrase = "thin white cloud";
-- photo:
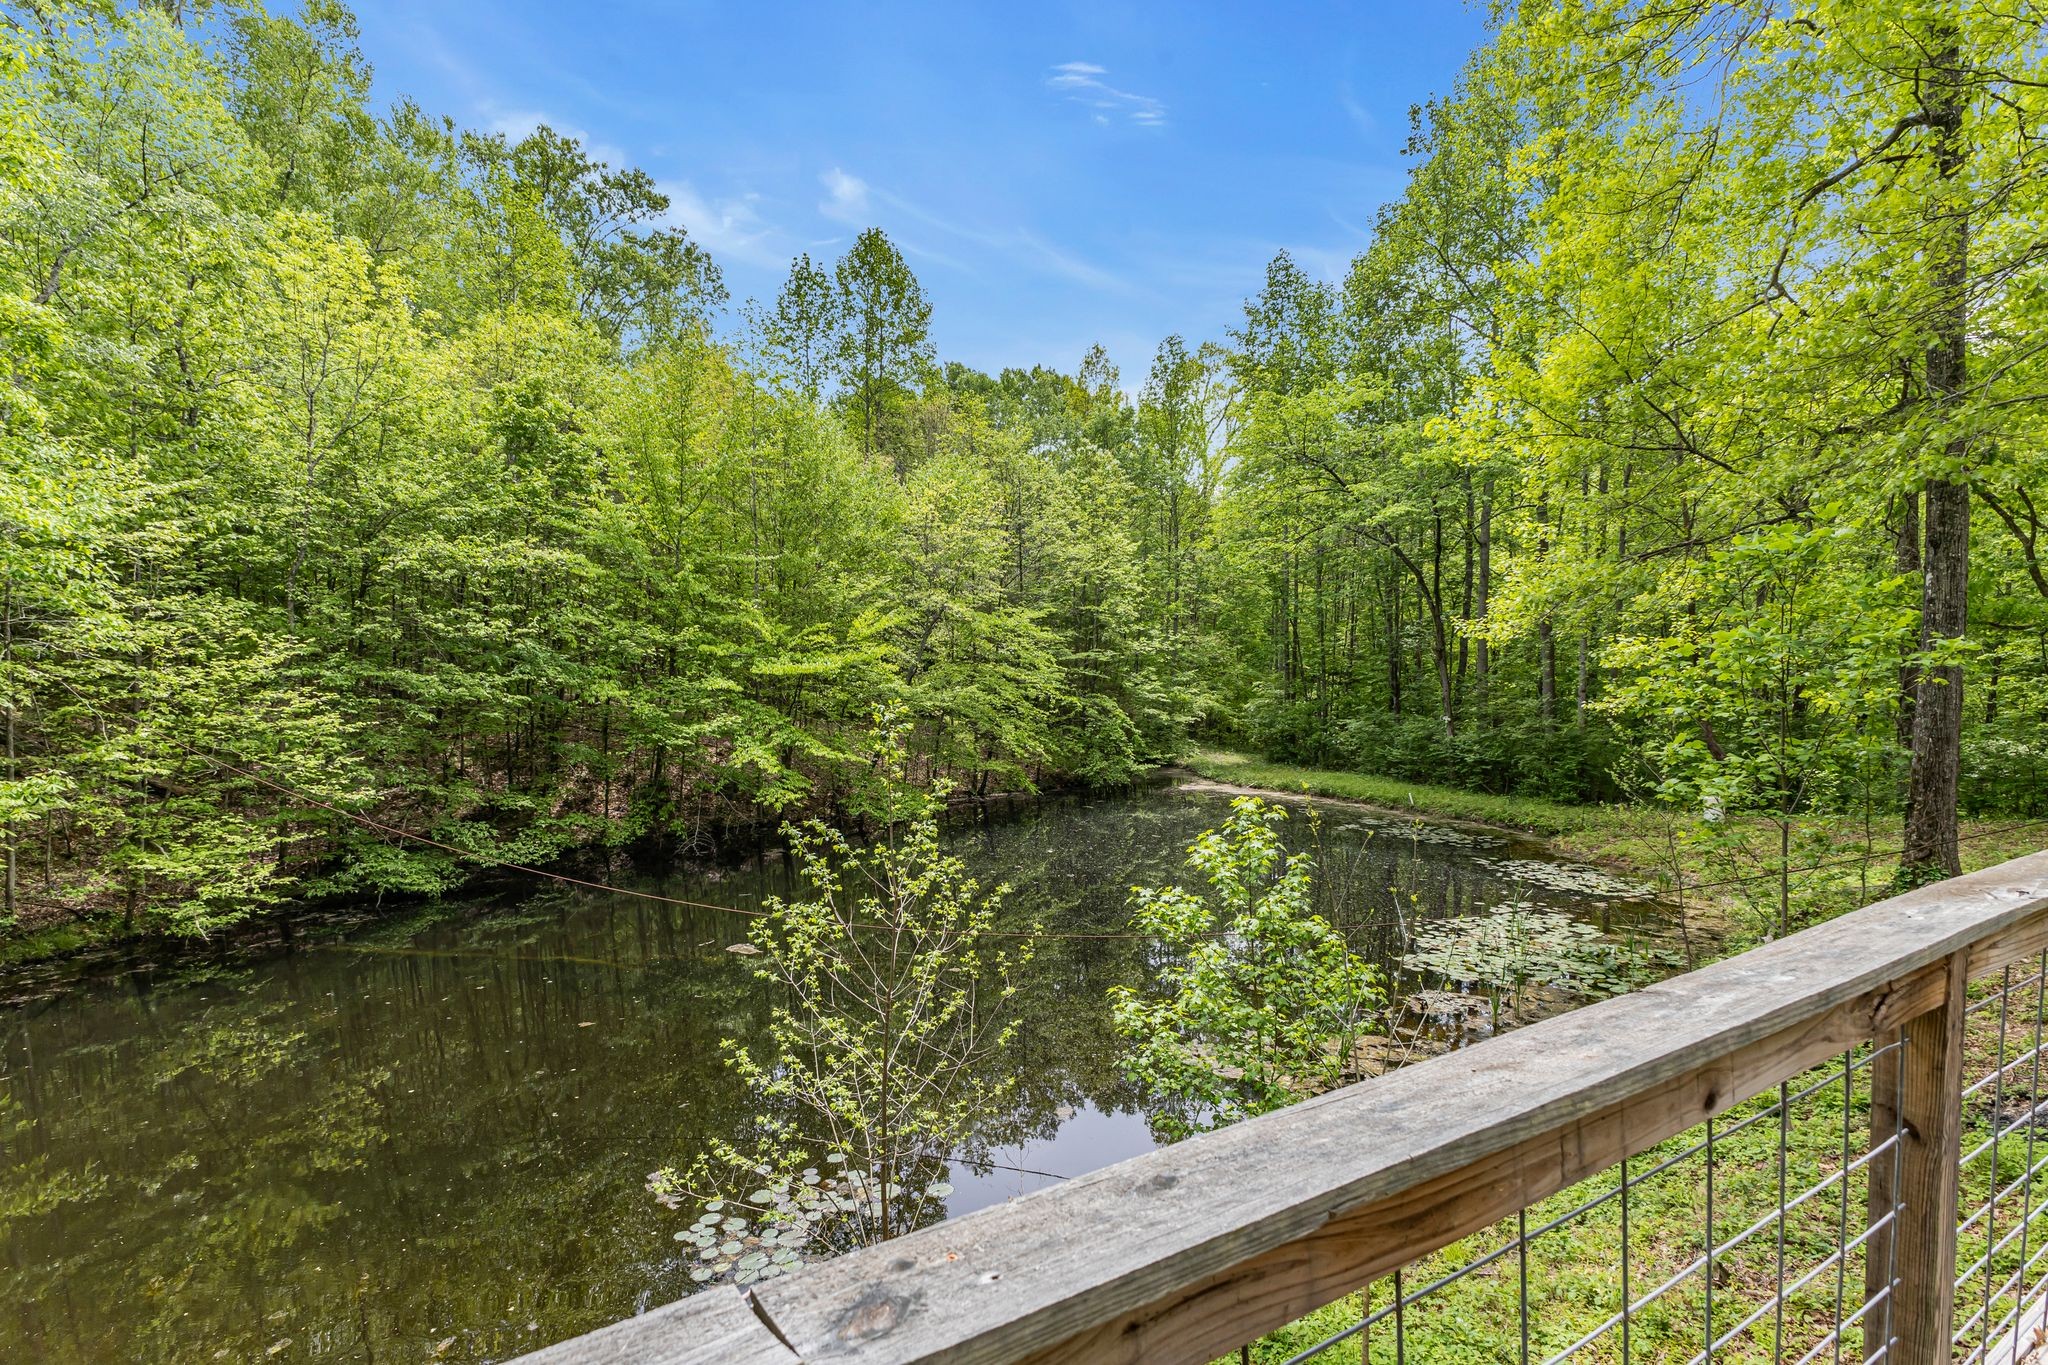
(1361, 117)
(919, 251)
(514, 124)
(1055, 261)
(729, 226)
(1019, 245)
(853, 201)
(846, 197)
(1083, 84)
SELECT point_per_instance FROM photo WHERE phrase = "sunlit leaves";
(1259, 1002)
(893, 989)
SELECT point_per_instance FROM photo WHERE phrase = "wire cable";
(1036, 935)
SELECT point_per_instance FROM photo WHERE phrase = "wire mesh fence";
(1769, 1233)
(2000, 1242)
(1870, 1187)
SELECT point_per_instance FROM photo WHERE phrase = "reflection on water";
(1087, 1138)
(430, 1140)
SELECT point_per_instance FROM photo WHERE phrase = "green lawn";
(1574, 1272)
(1840, 862)
(1530, 814)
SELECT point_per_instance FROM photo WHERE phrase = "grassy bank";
(21, 944)
(1530, 814)
(1837, 862)
(1574, 1271)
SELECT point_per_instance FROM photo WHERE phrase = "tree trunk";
(1585, 681)
(1465, 597)
(1906, 558)
(1481, 654)
(13, 766)
(1930, 851)
(1546, 637)
(1394, 644)
(1433, 594)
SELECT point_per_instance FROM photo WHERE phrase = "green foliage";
(1260, 1002)
(1613, 467)
(1616, 461)
(359, 465)
(1513, 947)
(881, 348)
(892, 1002)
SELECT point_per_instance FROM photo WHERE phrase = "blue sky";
(1057, 174)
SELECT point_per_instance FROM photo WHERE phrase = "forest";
(383, 499)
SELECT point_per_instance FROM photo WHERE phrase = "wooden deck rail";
(1184, 1253)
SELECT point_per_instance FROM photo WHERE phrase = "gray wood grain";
(1236, 1222)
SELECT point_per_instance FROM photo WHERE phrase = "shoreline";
(1652, 843)
(1724, 868)
(78, 942)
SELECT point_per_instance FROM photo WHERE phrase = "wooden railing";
(1187, 1253)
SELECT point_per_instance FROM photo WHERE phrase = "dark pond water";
(428, 1139)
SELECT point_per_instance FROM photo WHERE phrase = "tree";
(1787, 320)
(884, 340)
(804, 327)
(892, 1010)
(424, 442)
(1771, 697)
(636, 283)
(1261, 1003)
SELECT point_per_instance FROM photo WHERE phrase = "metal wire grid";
(2000, 1284)
(1778, 1262)
(1795, 1277)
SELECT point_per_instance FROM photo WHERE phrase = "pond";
(428, 1138)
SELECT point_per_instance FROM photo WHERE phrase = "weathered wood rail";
(1183, 1254)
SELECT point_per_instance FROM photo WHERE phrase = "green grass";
(1530, 814)
(23, 944)
(1574, 1272)
(1842, 862)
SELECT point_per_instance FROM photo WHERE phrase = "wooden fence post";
(1918, 1095)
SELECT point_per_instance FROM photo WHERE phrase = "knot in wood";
(877, 1312)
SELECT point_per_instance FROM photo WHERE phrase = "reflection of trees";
(1070, 870)
(369, 1151)
(185, 1112)
(403, 1160)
